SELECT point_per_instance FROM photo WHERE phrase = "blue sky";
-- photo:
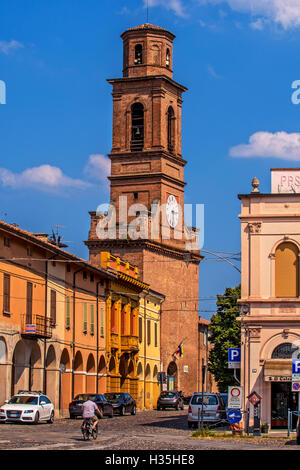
(238, 62)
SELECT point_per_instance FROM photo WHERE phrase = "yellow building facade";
(149, 349)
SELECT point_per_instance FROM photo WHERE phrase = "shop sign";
(278, 378)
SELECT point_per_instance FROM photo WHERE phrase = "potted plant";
(264, 428)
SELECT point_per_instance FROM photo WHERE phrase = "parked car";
(122, 403)
(170, 399)
(214, 409)
(75, 407)
(27, 407)
(225, 399)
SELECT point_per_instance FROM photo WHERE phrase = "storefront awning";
(278, 370)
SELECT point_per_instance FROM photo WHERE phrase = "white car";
(27, 407)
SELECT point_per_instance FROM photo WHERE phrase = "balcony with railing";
(129, 343)
(36, 326)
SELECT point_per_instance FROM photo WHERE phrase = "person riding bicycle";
(90, 411)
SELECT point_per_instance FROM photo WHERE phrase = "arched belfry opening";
(137, 127)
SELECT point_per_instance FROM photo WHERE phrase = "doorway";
(282, 400)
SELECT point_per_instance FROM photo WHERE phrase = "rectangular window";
(155, 334)
(102, 322)
(29, 303)
(84, 317)
(92, 312)
(140, 329)
(6, 241)
(148, 332)
(68, 312)
(53, 307)
(6, 293)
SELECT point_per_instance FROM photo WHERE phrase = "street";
(148, 430)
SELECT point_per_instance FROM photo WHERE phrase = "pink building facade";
(270, 302)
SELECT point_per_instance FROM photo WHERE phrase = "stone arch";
(65, 380)
(155, 372)
(102, 375)
(271, 343)
(140, 372)
(79, 382)
(172, 372)
(91, 374)
(112, 365)
(148, 372)
(3, 351)
(131, 369)
(52, 375)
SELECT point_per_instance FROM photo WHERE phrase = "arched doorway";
(148, 387)
(91, 375)
(102, 375)
(4, 392)
(65, 380)
(155, 386)
(140, 375)
(114, 378)
(172, 376)
(79, 386)
(123, 371)
(52, 376)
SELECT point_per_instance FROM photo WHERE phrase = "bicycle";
(87, 429)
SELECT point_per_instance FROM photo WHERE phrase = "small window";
(84, 275)
(168, 58)
(138, 58)
(68, 268)
(28, 251)
(171, 129)
(140, 329)
(135, 195)
(6, 293)
(92, 277)
(68, 312)
(6, 241)
(85, 317)
(53, 307)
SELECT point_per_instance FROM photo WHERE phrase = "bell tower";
(148, 168)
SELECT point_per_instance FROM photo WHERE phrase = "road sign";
(235, 397)
(234, 358)
(254, 398)
(234, 416)
(295, 386)
(296, 366)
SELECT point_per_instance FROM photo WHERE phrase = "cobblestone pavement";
(149, 430)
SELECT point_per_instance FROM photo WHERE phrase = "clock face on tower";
(172, 211)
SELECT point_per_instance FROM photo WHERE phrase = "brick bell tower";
(147, 167)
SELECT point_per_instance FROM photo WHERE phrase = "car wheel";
(72, 416)
(111, 415)
(133, 412)
(51, 419)
(122, 410)
(158, 408)
(36, 418)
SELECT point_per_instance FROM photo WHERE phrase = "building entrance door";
(282, 400)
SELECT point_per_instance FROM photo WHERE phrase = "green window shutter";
(84, 317)
(92, 310)
(68, 312)
(102, 322)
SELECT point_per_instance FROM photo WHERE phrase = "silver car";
(213, 409)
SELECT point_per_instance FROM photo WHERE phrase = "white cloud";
(285, 13)
(267, 145)
(212, 72)
(174, 5)
(9, 46)
(44, 178)
(98, 167)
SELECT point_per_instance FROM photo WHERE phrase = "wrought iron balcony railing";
(36, 326)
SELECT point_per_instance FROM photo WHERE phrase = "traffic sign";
(234, 416)
(254, 398)
(296, 366)
(234, 358)
(235, 397)
(295, 386)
